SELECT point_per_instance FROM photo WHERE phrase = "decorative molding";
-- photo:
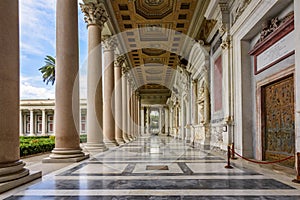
(226, 42)
(241, 7)
(271, 26)
(94, 14)
(285, 27)
(221, 27)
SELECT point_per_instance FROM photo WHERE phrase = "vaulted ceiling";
(154, 30)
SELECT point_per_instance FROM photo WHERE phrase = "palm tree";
(48, 70)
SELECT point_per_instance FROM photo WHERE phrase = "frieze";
(272, 25)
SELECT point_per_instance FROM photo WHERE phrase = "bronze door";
(279, 121)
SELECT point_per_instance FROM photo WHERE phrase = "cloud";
(37, 26)
(37, 39)
(31, 88)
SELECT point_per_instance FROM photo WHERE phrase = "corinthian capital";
(109, 43)
(94, 13)
(119, 61)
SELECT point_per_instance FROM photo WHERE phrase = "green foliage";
(34, 145)
(83, 138)
(30, 145)
(48, 70)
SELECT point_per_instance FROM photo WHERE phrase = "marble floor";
(157, 167)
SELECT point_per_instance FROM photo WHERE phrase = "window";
(39, 123)
(50, 127)
(27, 123)
(83, 123)
(50, 123)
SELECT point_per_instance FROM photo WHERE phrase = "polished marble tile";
(121, 173)
(173, 169)
(101, 169)
(211, 168)
(154, 198)
(179, 184)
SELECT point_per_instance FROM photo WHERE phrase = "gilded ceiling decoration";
(154, 2)
(154, 30)
(154, 9)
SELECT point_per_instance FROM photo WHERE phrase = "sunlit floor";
(157, 167)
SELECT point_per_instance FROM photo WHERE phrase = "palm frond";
(48, 70)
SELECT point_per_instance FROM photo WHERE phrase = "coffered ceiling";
(153, 34)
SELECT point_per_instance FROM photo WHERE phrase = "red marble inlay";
(218, 92)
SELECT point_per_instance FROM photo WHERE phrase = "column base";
(90, 146)
(126, 140)
(63, 155)
(32, 175)
(120, 141)
(110, 143)
(12, 171)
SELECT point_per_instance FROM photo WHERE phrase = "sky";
(37, 39)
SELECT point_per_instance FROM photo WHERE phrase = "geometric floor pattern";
(157, 168)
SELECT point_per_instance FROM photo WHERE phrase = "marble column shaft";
(160, 120)
(129, 122)
(10, 165)
(124, 109)
(135, 125)
(94, 121)
(118, 94)
(136, 116)
(148, 120)
(67, 144)
(132, 114)
(166, 120)
(108, 100)
(142, 111)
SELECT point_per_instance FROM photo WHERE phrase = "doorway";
(278, 115)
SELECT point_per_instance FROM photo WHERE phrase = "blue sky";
(37, 39)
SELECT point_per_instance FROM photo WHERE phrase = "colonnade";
(111, 112)
(67, 143)
(163, 119)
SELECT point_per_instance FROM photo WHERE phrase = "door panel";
(279, 118)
